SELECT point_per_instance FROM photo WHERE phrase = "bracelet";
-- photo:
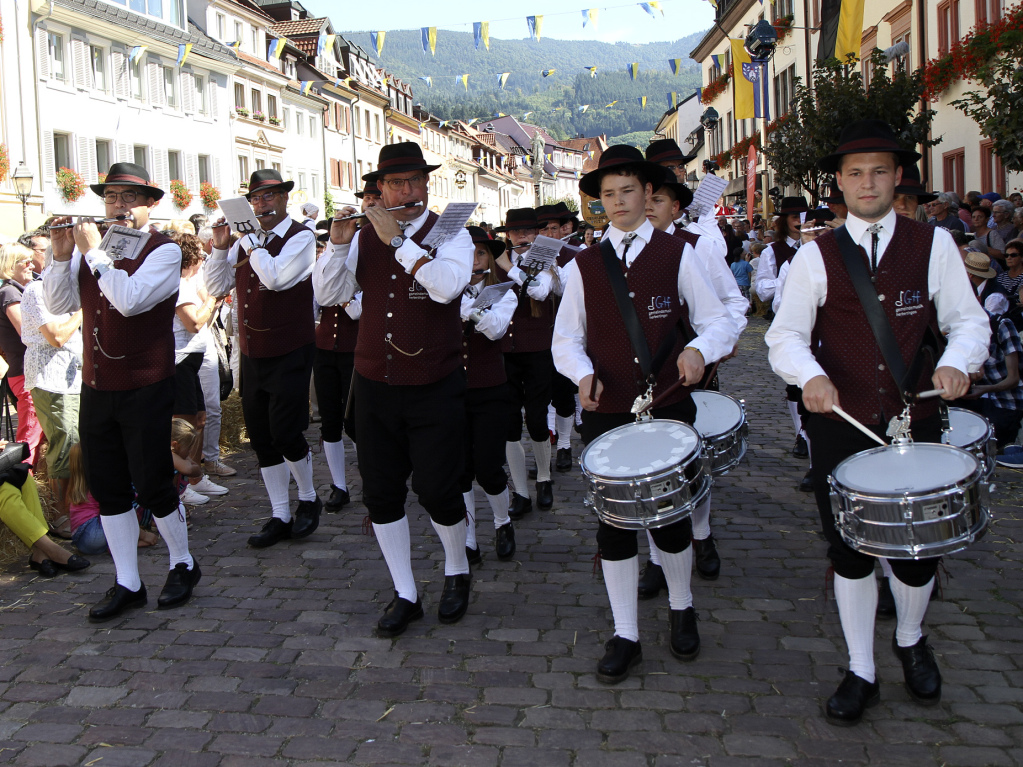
(698, 352)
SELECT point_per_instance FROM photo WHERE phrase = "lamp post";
(761, 42)
(22, 178)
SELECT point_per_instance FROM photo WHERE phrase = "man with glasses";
(271, 270)
(37, 241)
(409, 382)
(127, 395)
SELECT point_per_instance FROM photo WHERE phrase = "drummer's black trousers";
(614, 543)
(831, 442)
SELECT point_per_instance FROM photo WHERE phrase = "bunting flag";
(750, 91)
(475, 119)
(183, 50)
(676, 66)
(499, 114)
(590, 16)
(235, 46)
(305, 86)
(390, 132)
(378, 41)
(430, 40)
(608, 106)
(838, 38)
(699, 95)
(590, 153)
(535, 24)
(443, 123)
(527, 114)
(275, 48)
(716, 58)
(584, 107)
(591, 70)
(548, 72)
(323, 42)
(502, 79)
(673, 99)
(428, 80)
(642, 102)
(634, 70)
(481, 33)
(465, 81)
(652, 6)
(136, 53)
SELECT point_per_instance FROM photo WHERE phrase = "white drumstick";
(930, 393)
(859, 425)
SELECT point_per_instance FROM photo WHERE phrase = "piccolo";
(363, 215)
(221, 224)
(95, 221)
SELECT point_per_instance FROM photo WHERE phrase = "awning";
(735, 186)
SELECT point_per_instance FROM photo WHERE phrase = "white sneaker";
(206, 486)
(219, 468)
(193, 498)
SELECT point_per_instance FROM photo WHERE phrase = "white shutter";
(119, 64)
(216, 172)
(160, 168)
(80, 56)
(212, 94)
(192, 172)
(156, 95)
(87, 159)
(125, 152)
(42, 53)
(49, 162)
(187, 92)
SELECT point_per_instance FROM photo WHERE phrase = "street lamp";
(761, 41)
(22, 178)
(709, 119)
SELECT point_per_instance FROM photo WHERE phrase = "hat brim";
(152, 191)
(496, 247)
(832, 200)
(519, 225)
(685, 159)
(590, 183)
(379, 174)
(682, 193)
(285, 186)
(791, 211)
(922, 197)
(831, 162)
(990, 274)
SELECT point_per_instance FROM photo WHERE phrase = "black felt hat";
(682, 193)
(402, 157)
(666, 150)
(370, 188)
(834, 195)
(564, 213)
(519, 218)
(128, 174)
(911, 184)
(790, 205)
(480, 237)
(266, 179)
(618, 157)
(865, 136)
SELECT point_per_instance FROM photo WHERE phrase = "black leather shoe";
(454, 599)
(398, 615)
(338, 499)
(563, 462)
(705, 555)
(685, 639)
(273, 532)
(651, 581)
(180, 582)
(473, 555)
(117, 600)
(73, 564)
(622, 654)
(307, 518)
(520, 506)
(544, 495)
(920, 670)
(854, 695)
(800, 450)
(50, 568)
(806, 483)
(885, 600)
(504, 541)
(47, 568)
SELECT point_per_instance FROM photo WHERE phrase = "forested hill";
(555, 100)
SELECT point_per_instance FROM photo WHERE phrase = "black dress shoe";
(178, 588)
(338, 499)
(885, 600)
(273, 532)
(854, 695)
(504, 541)
(307, 518)
(685, 639)
(117, 600)
(544, 495)
(651, 581)
(520, 506)
(806, 483)
(473, 555)
(454, 599)
(800, 450)
(920, 670)
(47, 568)
(705, 555)
(622, 654)
(73, 564)
(563, 462)
(398, 615)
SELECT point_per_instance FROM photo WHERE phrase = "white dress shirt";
(541, 285)
(495, 320)
(292, 265)
(710, 252)
(716, 331)
(444, 277)
(960, 315)
(767, 271)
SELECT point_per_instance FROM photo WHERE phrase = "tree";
(569, 200)
(812, 127)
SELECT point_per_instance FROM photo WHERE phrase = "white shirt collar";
(793, 242)
(644, 232)
(282, 228)
(417, 223)
(857, 227)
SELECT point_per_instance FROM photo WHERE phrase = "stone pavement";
(274, 661)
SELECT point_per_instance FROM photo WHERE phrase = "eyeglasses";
(673, 168)
(1012, 255)
(127, 196)
(398, 184)
(265, 197)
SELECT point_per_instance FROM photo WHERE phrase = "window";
(177, 13)
(243, 170)
(376, 128)
(368, 134)
(271, 105)
(256, 48)
(260, 163)
(358, 165)
(358, 124)
(135, 78)
(170, 86)
(257, 101)
(237, 31)
(301, 180)
(316, 186)
(61, 151)
(55, 43)
(954, 170)
(204, 169)
(104, 155)
(782, 8)
(867, 44)
(239, 96)
(276, 166)
(900, 20)
(221, 26)
(142, 156)
(285, 118)
(298, 122)
(174, 168)
(992, 175)
(200, 95)
(948, 25)
(312, 127)
(98, 66)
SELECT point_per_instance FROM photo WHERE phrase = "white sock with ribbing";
(701, 520)
(452, 537)
(857, 603)
(621, 577)
(122, 534)
(276, 479)
(470, 518)
(564, 431)
(395, 544)
(678, 572)
(499, 503)
(911, 605)
(302, 471)
(174, 530)
(542, 453)
(655, 553)
(335, 452)
(516, 457)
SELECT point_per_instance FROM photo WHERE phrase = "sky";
(563, 19)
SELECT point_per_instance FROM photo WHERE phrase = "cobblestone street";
(274, 661)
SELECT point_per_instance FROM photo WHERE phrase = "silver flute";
(396, 207)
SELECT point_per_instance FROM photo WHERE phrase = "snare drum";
(974, 434)
(646, 474)
(721, 421)
(910, 501)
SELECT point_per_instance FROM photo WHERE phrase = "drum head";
(640, 448)
(967, 427)
(895, 470)
(716, 413)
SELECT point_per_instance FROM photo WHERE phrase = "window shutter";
(333, 172)
(192, 172)
(42, 53)
(87, 159)
(119, 65)
(326, 117)
(348, 119)
(187, 92)
(160, 167)
(212, 88)
(80, 54)
(216, 171)
(156, 95)
(125, 152)
(49, 162)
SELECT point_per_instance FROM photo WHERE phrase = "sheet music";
(541, 254)
(707, 194)
(491, 294)
(123, 242)
(240, 216)
(451, 221)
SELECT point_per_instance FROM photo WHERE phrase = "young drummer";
(589, 330)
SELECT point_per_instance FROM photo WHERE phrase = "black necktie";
(875, 232)
(627, 240)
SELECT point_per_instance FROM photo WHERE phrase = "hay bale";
(233, 437)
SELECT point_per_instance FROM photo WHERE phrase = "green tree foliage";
(571, 202)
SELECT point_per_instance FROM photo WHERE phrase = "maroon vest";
(783, 253)
(274, 322)
(843, 342)
(653, 284)
(337, 332)
(405, 337)
(483, 361)
(690, 237)
(527, 333)
(123, 353)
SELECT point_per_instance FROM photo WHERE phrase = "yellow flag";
(634, 70)
(850, 29)
(378, 41)
(485, 33)
(465, 81)
(742, 88)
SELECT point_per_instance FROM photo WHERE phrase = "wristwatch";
(397, 240)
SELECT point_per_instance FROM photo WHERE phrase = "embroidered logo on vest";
(908, 303)
(660, 306)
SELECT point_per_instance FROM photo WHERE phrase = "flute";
(363, 215)
(95, 221)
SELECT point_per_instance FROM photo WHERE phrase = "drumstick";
(667, 392)
(593, 383)
(928, 394)
(859, 425)
(713, 371)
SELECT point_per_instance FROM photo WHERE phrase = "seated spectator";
(942, 214)
(16, 273)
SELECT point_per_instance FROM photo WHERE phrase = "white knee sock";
(655, 553)
(622, 580)
(335, 452)
(701, 520)
(542, 453)
(499, 504)
(470, 517)
(678, 572)
(857, 603)
(886, 567)
(122, 533)
(797, 422)
(552, 414)
(452, 537)
(910, 605)
(516, 456)
(564, 431)
(302, 471)
(395, 544)
(276, 480)
(174, 530)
